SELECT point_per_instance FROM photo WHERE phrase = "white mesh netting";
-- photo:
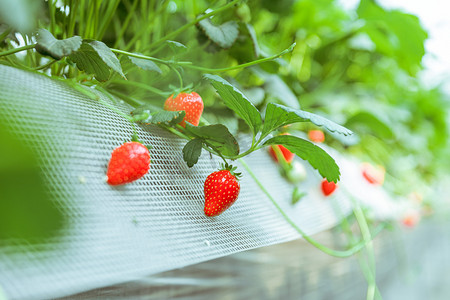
(155, 224)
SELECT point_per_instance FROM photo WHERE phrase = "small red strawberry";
(373, 174)
(316, 136)
(328, 187)
(288, 155)
(221, 191)
(129, 162)
(191, 103)
(410, 219)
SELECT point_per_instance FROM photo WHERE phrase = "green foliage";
(316, 156)
(145, 115)
(192, 151)
(236, 101)
(87, 59)
(216, 136)
(144, 64)
(278, 115)
(48, 45)
(223, 35)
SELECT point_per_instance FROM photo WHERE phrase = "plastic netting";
(117, 234)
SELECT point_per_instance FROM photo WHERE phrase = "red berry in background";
(288, 155)
(191, 103)
(221, 191)
(128, 163)
(411, 219)
(316, 136)
(328, 188)
(373, 174)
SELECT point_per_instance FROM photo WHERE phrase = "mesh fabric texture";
(155, 224)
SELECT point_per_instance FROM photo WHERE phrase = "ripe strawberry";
(191, 103)
(316, 136)
(129, 162)
(288, 155)
(411, 219)
(373, 174)
(328, 187)
(221, 191)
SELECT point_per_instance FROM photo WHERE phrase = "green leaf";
(316, 156)
(278, 115)
(107, 56)
(88, 60)
(144, 115)
(371, 122)
(237, 101)
(395, 34)
(176, 47)
(145, 64)
(47, 44)
(192, 151)
(216, 136)
(223, 35)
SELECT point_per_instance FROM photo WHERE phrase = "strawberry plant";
(262, 69)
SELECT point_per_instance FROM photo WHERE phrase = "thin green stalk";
(125, 24)
(142, 86)
(148, 57)
(180, 79)
(45, 66)
(15, 50)
(73, 19)
(188, 64)
(369, 248)
(112, 7)
(97, 4)
(51, 10)
(255, 62)
(193, 22)
(337, 253)
(130, 100)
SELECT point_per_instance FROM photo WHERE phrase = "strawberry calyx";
(232, 169)
(177, 90)
(135, 138)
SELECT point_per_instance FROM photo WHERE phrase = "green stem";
(148, 57)
(132, 101)
(180, 79)
(124, 26)
(337, 253)
(51, 10)
(142, 86)
(188, 64)
(15, 50)
(362, 222)
(193, 22)
(107, 18)
(255, 62)
(111, 107)
(45, 66)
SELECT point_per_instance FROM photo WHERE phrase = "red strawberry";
(373, 174)
(328, 187)
(316, 136)
(129, 162)
(221, 191)
(288, 155)
(411, 219)
(191, 103)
